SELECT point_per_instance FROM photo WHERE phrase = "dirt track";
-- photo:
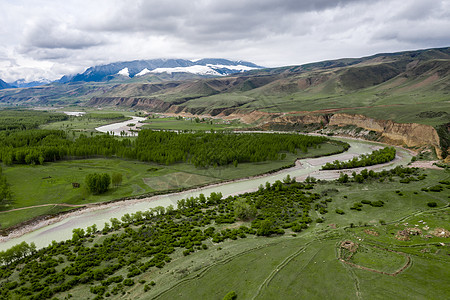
(43, 205)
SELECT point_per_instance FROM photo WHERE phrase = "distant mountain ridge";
(203, 67)
(4, 85)
(388, 78)
(22, 83)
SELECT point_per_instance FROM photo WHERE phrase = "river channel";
(123, 127)
(61, 228)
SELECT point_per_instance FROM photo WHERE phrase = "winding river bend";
(61, 228)
(118, 128)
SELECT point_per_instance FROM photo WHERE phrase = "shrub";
(244, 211)
(340, 211)
(116, 179)
(128, 282)
(436, 188)
(432, 204)
(266, 228)
(296, 228)
(98, 290)
(378, 203)
(230, 296)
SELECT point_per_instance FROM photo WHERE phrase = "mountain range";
(208, 67)
(147, 70)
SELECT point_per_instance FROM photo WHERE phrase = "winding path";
(43, 205)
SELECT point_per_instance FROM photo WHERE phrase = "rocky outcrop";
(408, 134)
(303, 119)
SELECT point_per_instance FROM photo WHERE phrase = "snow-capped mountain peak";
(124, 72)
(143, 72)
(197, 69)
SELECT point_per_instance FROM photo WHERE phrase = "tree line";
(200, 149)
(219, 149)
(5, 191)
(376, 157)
(24, 119)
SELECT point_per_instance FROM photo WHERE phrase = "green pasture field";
(432, 113)
(378, 259)
(8, 219)
(172, 123)
(395, 206)
(51, 183)
(306, 266)
(404, 104)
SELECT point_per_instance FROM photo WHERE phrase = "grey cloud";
(46, 53)
(285, 6)
(213, 20)
(51, 34)
(417, 10)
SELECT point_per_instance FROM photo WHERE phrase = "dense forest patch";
(23, 119)
(200, 149)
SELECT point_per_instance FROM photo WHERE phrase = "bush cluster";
(376, 157)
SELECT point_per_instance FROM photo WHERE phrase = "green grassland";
(382, 102)
(13, 218)
(307, 267)
(51, 183)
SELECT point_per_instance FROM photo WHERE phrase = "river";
(123, 127)
(62, 228)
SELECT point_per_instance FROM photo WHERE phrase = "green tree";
(244, 211)
(98, 183)
(343, 178)
(116, 179)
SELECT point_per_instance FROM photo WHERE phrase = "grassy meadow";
(306, 265)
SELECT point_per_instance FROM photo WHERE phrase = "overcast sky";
(47, 38)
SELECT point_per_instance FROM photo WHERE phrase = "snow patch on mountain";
(143, 72)
(124, 72)
(202, 70)
(240, 68)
